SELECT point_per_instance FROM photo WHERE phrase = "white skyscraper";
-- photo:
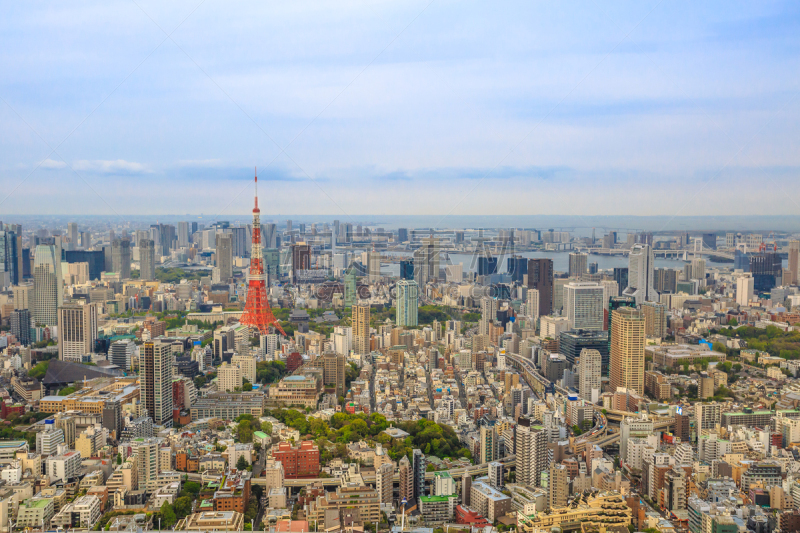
(583, 305)
(407, 302)
(745, 289)
(488, 314)
(77, 331)
(640, 274)
(48, 285)
(589, 380)
(532, 454)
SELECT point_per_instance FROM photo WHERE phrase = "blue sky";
(412, 107)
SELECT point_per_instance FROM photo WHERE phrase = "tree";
(266, 427)
(168, 518)
(242, 463)
(192, 487)
(247, 386)
(733, 322)
(183, 506)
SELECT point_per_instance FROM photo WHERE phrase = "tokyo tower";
(257, 313)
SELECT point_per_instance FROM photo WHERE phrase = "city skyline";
(423, 108)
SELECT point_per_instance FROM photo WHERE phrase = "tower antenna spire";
(257, 312)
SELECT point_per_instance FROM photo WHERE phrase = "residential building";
(407, 302)
(590, 375)
(489, 501)
(229, 378)
(155, 376)
(627, 350)
(299, 461)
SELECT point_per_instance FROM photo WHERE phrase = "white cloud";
(200, 162)
(117, 166)
(52, 164)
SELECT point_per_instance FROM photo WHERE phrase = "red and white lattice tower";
(257, 313)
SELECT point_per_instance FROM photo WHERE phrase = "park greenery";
(773, 340)
(343, 428)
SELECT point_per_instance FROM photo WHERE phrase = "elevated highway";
(598, 435)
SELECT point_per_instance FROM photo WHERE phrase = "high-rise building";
(407, 269)
(426, 261)
(490, 444)
(183, 234)
(77, 331)
(155, 376)
(47, 285)
(487, 266)
(23, 296)
(590, 375)
(558, 486)
(224, 255)
(709, 241)
(627, 349)
(517, 266)
(301, 258)
(640, 274)
(698, 268)
(350, 288)
(578, 264)
(406, 474)
(488, 314)
(360, 323)
(94, 258)
(420, 465)
(147, 260)
(532, 454)
(407, 303)
(540, 277)
(613, 305)
(121, 258)
(666, 280)
(72, 233)
(767, 270)
(374, 265)
(402, 234)
(583, 305)
(384, 482)
(745, 289)
(333, 370)
(229, 378)
(496, 474)
(794, 263)
(571, 343)
(21, 326)
(9, 259)
(621, 277)
(121, 352)
(655, 319)
(708, 416)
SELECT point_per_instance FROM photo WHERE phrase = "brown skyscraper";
(627, 349)
(301, 258)
(360, 323)
(794, 263)
(540, 277)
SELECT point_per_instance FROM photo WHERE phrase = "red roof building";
(301, 461)
(465, 515)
